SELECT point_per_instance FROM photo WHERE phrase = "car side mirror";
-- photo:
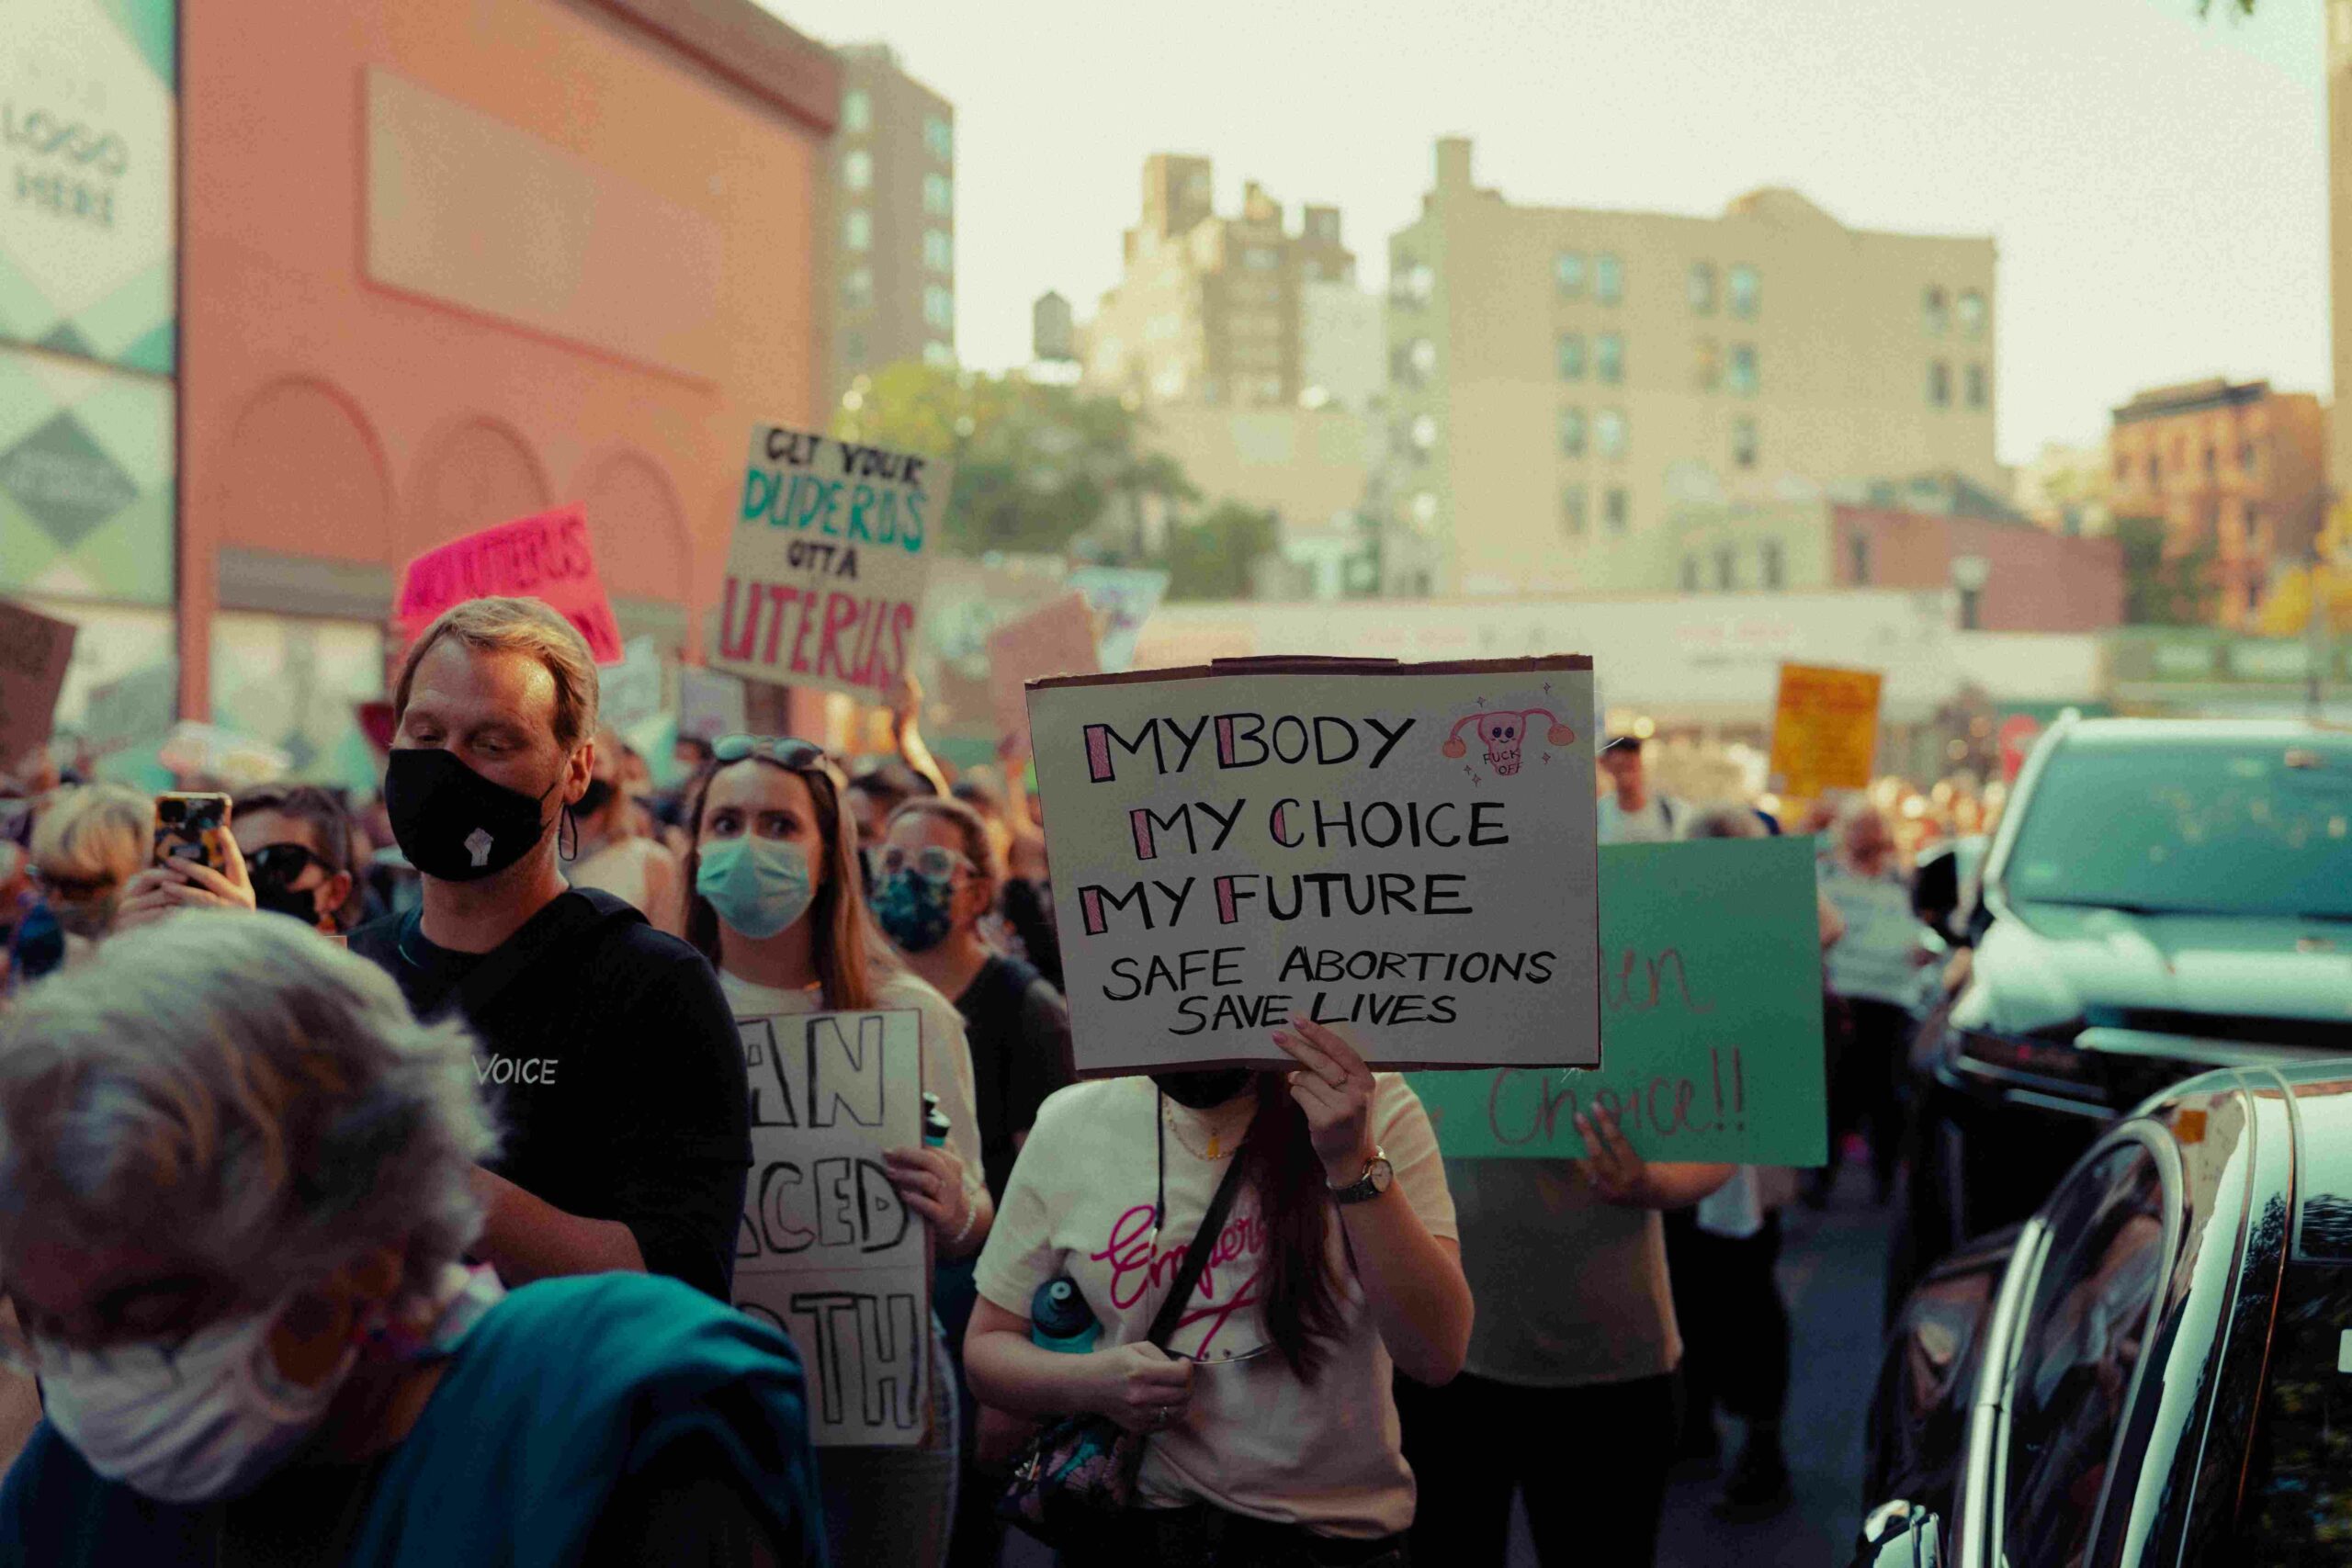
(1901, 1535)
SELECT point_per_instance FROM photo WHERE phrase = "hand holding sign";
(1334, 1088)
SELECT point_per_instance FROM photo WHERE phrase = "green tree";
(1211, 556)
(1035, 465)
(2162, 589)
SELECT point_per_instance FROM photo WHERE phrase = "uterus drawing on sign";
(1504, 733)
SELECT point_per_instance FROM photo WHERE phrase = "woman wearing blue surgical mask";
(779, 907)
(240, 1186)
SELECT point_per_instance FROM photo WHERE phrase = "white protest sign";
(630, 692)
(710, 704)
(826, 1251)
(1406, 850)
(833, 551)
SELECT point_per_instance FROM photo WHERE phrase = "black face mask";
(302, 903)
(1203, 1088)
(593, 799)
(453, 824)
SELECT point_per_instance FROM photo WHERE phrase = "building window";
(937, 352)
(857, 110)
(938, 251)
(1571, 355)
(1608, 358)
(1607, 279)
(1774, 569)
(857, 287)
(1972, 609)
(1702, 287)
(1572, 432)
(1260, 258)
(857, 230)
(1937, 307)
(1744, 377)
(858, 169)
(1616, 510)
(1423, 357)
(1422, 433)
(1978, 391)
(1940, 384)
(2245, 459)
(938, 194)
(1747, 292)
(1972, 313)
(1425, 509)
(2155, 470)
(1689, 574)
(1567, 273)
(1743, 442)
(1609, 433)
(1727, 567)
(2213, 459)
(854, 347)
(1417, 282)
(1857, 558)
(1572, 511)
(939, 307)
(1706, 365)
(938, 136)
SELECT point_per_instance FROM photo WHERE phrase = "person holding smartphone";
(1272, 1430)
(196, 863)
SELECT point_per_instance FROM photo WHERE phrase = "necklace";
(1217, 1148)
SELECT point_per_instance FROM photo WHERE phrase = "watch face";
(1380, 1174)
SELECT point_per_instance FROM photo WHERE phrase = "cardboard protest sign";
(542, 557)
(1824, 729)
(1402, 849)
(833, 551)
(1710, 1019)
(34, 651)
(630, 694)
(826, 1251)
(969, 600)
(132, 710)
(1123, 598)
(710, 704)
(1058, 639)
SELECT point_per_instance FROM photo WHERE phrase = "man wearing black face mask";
(607, 1045)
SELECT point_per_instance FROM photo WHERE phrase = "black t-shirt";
(614, 1068)
(1019, 1030)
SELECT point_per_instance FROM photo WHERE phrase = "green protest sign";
(1710, 1020)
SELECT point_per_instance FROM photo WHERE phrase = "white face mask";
(208, 1419)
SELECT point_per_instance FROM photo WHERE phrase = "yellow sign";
(1824, 729)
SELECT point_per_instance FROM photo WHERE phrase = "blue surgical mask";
(758, 885)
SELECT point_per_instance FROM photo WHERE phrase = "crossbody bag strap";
(1196, 1257)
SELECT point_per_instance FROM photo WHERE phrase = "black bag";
(1080, 1471)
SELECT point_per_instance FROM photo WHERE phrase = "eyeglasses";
(932, 862)
(784, 751)
(278, 865)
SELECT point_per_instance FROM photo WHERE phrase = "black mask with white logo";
(452, 823)
(1203, 1088)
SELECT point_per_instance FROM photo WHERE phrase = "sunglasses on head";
(784, 751)
(281, 865)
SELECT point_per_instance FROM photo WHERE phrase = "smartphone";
(190, 827)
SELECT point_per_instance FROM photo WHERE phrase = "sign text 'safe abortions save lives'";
(1404, 852)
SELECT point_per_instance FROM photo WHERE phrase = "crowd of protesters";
(294, 1290)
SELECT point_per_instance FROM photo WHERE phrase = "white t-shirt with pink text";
(1256, 1440)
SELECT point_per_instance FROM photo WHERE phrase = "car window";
(2081, 1340)
(2298, 1482)
(2207, 826)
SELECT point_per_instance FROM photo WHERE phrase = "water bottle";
(935, 1122)
(1059, 1318)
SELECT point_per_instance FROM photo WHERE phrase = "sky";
(2156, 183)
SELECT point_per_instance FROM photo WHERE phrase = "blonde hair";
(94, 833)
(517, 626)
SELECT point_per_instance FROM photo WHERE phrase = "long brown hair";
(852, 959)
(1300, 1297)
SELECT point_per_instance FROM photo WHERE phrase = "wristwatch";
(1377, 1173)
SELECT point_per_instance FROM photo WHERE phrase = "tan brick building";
(893, 219)
(2234, 466)
(1564, 377)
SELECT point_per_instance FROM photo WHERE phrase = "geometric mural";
(296, 684)
(85, 482)
(87, 152)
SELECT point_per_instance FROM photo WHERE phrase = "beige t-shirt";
(1570, 1289)
(1255, 1440)
(947, 1057)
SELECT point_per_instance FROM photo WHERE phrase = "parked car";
(2161, 897)
(2151, 1369)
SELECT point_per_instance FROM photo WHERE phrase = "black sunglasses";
(280, 864)
(784, 751)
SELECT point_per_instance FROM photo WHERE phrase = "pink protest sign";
(543, 557)
(1055, 640)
